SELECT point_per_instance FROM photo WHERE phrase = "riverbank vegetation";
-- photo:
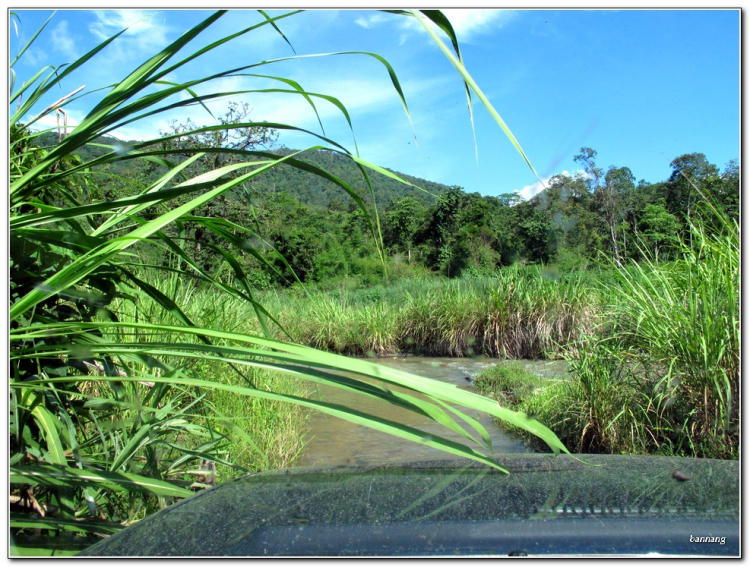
(517, 313)
(664, 379)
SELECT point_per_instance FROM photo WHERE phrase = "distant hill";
(308, 189)
(314, 191)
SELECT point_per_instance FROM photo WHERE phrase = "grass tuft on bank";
(519, 312)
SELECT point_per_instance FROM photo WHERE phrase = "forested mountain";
(313, 191)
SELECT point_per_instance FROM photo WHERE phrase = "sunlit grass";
(261, 434)
(519, 313)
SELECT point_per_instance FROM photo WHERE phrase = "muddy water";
(333, 441)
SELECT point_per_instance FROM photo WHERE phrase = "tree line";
(573, 220)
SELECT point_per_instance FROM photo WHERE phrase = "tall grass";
(518, 313)
(663, 378)
(685, 317)
(258, 434)
(102, 405)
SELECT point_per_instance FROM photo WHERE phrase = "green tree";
(233, 138)
(536, 231)
(440, 228)
(619, 187)
(659, 227)
(606, 189)
(402, 220)
(688, 172)
(726, 190)
(509, 199)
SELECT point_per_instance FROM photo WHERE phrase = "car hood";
(583, 505)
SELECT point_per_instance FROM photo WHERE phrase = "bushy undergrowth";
(509, 384)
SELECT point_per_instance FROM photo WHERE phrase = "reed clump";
(518, 313)
(684, 316)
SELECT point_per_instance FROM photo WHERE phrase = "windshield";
(293, 270)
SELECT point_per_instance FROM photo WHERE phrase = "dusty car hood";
(609, 505)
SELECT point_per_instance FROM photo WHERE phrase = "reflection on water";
(333, 441)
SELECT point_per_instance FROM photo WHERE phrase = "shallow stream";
(333, 442)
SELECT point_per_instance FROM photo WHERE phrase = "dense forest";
(312, 231)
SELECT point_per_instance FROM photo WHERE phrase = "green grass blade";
(273, 23)
(191, 92)
(478, 427)
(50, 523)
(85, 264)
(474, 87)
(439, 19)
(26, 86)
(222, 41)
(446, 392)
(26, 107)
(409, 402)
(50, 475)
(101, 115)
(46, 422)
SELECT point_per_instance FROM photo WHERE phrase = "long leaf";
(354, 416)
(474, 87)
(56, 454)
(273, 23)
(47, 423)
(83, 266)
(49, 523)
(406, 401)
(441, 390)
(50, 475)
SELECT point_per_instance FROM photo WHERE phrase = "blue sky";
(640, 87)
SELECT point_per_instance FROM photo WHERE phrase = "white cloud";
(34, 57)
(535, 188)
(371, 20)
(468, 23)
(62, 41)
(138, 22)
(359, 96)
(146, 32)
(140, 131)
